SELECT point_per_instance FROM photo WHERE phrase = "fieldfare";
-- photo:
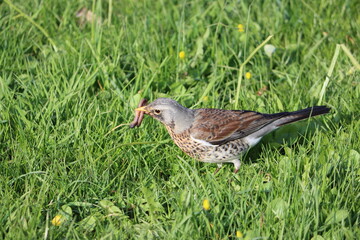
(216, 135)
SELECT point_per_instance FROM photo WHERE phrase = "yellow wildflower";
(241, 28)
(239, 234)
(206, 204)
(182, 55)
(248, 75)
(57, 220)
(205, 98)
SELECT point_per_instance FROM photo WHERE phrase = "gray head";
(170, 113)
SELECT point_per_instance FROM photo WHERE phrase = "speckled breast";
(215, 154)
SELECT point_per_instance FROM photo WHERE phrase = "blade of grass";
(352, 58)
(241, 70)
(110, 10)
(329, 74)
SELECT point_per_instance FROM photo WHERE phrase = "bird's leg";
(218, 168)
(237, 165)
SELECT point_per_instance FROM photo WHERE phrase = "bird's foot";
(218, 168)
(237, 165)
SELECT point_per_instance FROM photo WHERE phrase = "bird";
(216, 135)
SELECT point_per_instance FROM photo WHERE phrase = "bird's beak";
(142, 109)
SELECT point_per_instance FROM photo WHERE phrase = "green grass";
(63, 87)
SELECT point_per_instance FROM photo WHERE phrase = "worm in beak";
(139, 114)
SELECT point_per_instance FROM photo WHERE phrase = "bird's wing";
(217, 126)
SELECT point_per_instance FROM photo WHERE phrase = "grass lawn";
(68, 77)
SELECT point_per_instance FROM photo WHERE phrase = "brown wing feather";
(218, 126)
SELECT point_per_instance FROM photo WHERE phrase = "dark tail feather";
(289, 117)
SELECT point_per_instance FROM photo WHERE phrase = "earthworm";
(139, 115)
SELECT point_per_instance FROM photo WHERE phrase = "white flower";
(269, 49)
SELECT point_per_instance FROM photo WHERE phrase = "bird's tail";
(289, 117)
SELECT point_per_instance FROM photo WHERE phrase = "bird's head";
(170, 113)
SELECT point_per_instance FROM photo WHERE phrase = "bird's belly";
(225, 152)
(210, 153)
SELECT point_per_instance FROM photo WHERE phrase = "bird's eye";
(157, 111)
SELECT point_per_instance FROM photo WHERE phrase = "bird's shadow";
(285, 136)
